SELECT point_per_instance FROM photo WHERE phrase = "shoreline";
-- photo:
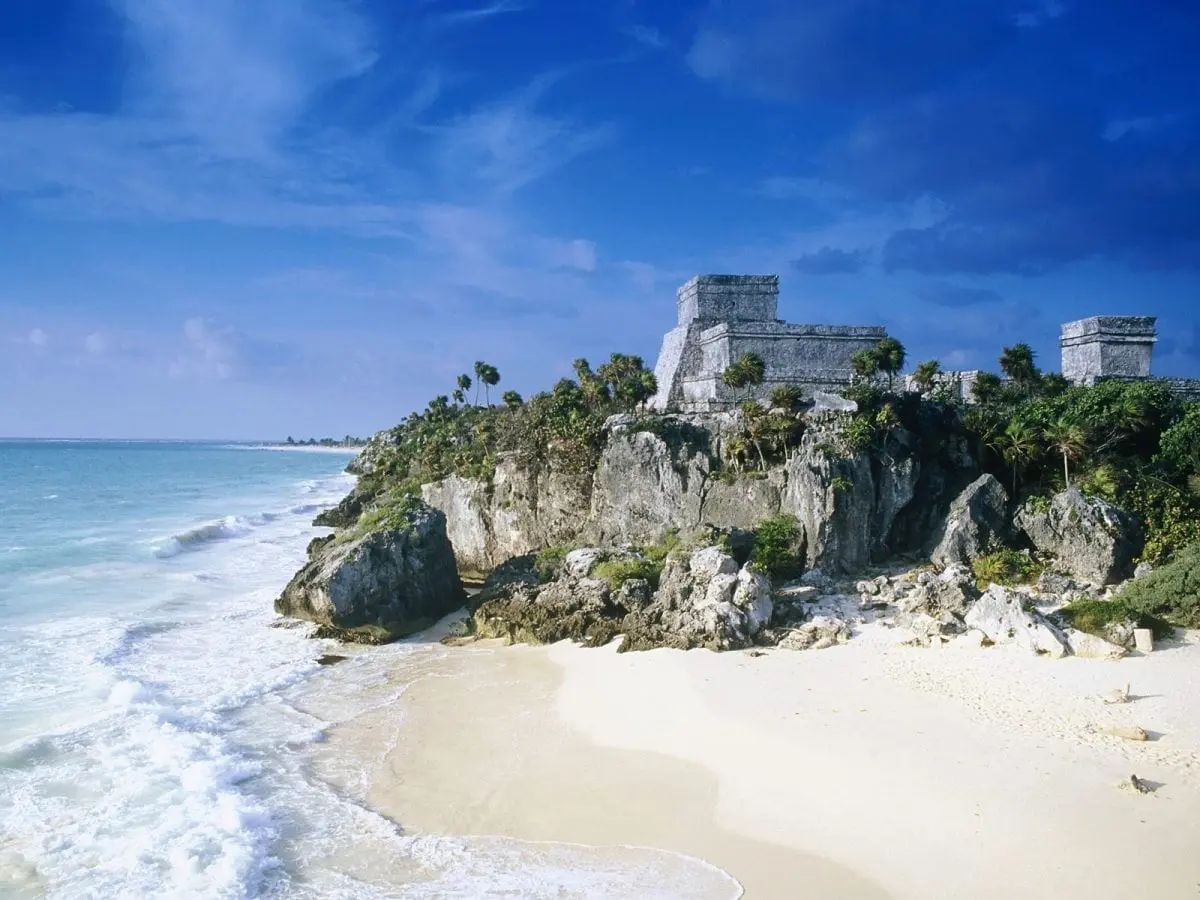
(525, 773)
(861, 771)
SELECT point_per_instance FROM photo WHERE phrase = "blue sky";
(222, 218)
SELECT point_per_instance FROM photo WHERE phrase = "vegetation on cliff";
(453, 436)
(1131, 443)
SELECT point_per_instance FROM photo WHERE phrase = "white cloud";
(642, 274)
(210, 352)
(38, 338)
(96, 343)
(647, 37)
(815, 190)
(509, 144)
(235, 74)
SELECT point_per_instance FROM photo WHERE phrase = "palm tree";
(595, 391)
(986, 387)
(464, 384)
(480, 367)
(1068, 438)
(487, 375)
(459, 396)
(754, 369)
(890, 356)
(1017, 363)
(512, 399)
(1018, 446)
(865, 363)
(755, 428)
(926, 374)
(787, 396)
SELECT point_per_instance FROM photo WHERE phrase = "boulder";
(976, 518)
(817, 634)
(378, 585)
(824, 402)
(703, 600)
(1089, 646)
(1091, 538)
(1001, 615)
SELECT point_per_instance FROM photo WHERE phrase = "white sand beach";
(867, 770)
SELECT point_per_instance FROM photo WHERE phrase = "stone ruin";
(1116, 348)
(721, 317)
(1107, 346)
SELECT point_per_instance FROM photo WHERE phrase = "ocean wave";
(202, 535)
(239, 526)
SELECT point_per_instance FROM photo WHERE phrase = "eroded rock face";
(1002, 616)
(378, 586)
(976, 518)
(1091, 538)
(703, 600)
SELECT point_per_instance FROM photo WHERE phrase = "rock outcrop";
(379, 585)
(1091, 538)
(976, 519)
(665, 473)
(702, 599)
(1002, 615)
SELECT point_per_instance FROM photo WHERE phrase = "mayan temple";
(722, 317)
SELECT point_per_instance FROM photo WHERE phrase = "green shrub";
(777, 547)
(670, 542)
(787, 396)
(859, 434)
(391, 512)
(1171, 593)
(840, 484)
(1092, 615)
(1006, 567)
(618, 571)
(549, 562)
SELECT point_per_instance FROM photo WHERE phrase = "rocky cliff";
(374, 584)
(663, 473)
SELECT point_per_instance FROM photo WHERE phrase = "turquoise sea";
(162, 737)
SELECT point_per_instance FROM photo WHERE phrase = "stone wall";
(729, 298)
(1107, 345)
(811, 357)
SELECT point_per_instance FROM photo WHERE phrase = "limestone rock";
(1001, 615)
(1089, 646)
(579, 563)
(1125, 732)
(703, 600)
(380, 585)
(976, 518)
(1141, 571)
(819, 633)
(1091, 538)
(823, 402)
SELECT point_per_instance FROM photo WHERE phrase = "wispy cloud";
(508, 144)
(237, 76)
(37, 338)
(648, 37)
(831, 261)
(475, 14)
(956, 296)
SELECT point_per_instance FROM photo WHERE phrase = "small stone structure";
(1116, 348)
(1107, 346)
(722, 317)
